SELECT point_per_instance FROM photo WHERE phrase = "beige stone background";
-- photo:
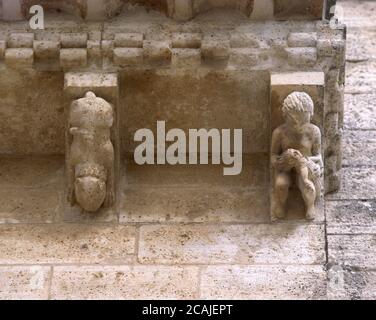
(198, 242)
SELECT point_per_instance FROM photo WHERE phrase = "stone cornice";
(114, 49)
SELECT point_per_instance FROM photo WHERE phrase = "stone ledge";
(263, 282)
(352, 250)
(346, 284)
(24, 283)
(125, 282)
(232, 244)
(66, 243)
(116, 50)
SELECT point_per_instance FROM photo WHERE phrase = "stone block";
(254, 175)
(244, 57)
(181, 10)
(19, 58)
(73, 58)
(232, 244)
(104, 85)
(361, 45)
(359, 148)
(215, 49)
(327, 47)
(74, 40)
(302, 56)
(361, 78)
(347, 284)
(302, 39)
(66, 244)
(94, 50)
(24, 282)
(108, 47)
(244, 40)
(351, 217)
(287, 9)
(263, 282)
(186, 40)
(157, 51)
(124, 282)
(129, 40)
(46, 49)
(360, 111)
(22, 205)
(186, 58)
(194, 205)
(240, 90)
(355, 250)
(357, 183)
(125, 57)
(21, 40)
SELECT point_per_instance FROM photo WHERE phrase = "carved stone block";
(92, 142)
(91, 160)
(73, 58)
(19, 58)
(21, 40)
(186, 58)
(297, 147)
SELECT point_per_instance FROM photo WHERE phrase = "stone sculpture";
(296, 154)
(91, 158)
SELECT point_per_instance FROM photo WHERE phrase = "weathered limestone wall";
(197, 99)
(31, 112)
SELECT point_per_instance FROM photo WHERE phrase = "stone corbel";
(92, 140)
(295, 176)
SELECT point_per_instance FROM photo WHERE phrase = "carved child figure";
(296, 152)
(91, 158)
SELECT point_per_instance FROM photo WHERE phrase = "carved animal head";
(90, 186)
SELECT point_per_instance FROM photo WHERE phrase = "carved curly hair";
(298, 102)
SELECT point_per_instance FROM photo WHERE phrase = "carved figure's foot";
(278, 213)
(311, 213)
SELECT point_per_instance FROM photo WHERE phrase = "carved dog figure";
(91, 158)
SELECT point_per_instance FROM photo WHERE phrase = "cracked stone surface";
(197, 242)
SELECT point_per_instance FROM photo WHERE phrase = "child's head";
(298, 109)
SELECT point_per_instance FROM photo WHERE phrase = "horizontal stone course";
(194, 205)
(125, 282)
(355, 250)
(357, 184)
(359, 111)
(351, 217)
(22, 205)
(263, 282)
(361, 45)
(66, 243)
(31, 172)
(24, 283)
(359, 148)
(344, 284)
(361, 77)
(232, 244)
